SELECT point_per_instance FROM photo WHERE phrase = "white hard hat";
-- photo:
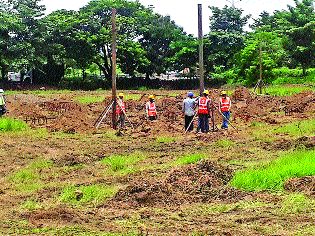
(1, 91)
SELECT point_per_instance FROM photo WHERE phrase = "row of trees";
(150, 43)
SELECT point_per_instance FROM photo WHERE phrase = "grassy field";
(158, 181)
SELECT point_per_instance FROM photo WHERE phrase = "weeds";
(92, 194)
(224, 143)
(29, 179)
(12, 125)
(297, 129)
(165, 139)
(189, 159)
(272, 176)
(277, 90)
(297, 203)
(123, 164)
(89, 99)
(31, 205)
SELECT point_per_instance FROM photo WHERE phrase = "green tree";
(299, 25)
(248, 59)
(226, 36)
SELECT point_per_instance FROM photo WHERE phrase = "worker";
(150, 108)
(3, 109)
(121, 110)
(204, 112)
(225, 106)
(189, 106)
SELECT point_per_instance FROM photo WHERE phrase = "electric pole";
(200, 37)
(114, 58)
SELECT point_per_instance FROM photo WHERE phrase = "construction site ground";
(64, 177)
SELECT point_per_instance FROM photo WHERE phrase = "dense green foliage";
(57, 45)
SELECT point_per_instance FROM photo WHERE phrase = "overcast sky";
(184, 12)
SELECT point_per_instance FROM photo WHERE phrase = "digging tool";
(226, 118)
(214, 127)
(191, 123)
(103, 117)
(125, 115)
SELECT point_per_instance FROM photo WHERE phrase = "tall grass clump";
(272, 176)
(190, 159)
(92, 194)
(123, 164)
(11, 125)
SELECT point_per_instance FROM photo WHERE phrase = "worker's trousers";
(203, 123)
(188, 120)
(225, 121)
(121, 120)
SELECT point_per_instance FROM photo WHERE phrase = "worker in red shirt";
(204, 112)
(225, 106)
(150, 108)
(121, 110)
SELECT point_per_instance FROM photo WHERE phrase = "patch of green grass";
(31, 205)
(29, 178)
(89, 99)
(47, 92)
(272, 176)
(130, 96)
(224, 143)
(123, 164)
(189, 159)
(297, 203)
(278, 90)
(257, 124)
(143, 88)
(12, 125)
(166, 139)
(300, 128)
(91, 194)
(219, 208)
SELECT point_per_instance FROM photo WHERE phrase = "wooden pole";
(260, 70)
(114, 58)
(200, 37)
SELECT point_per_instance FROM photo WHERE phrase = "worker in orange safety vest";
(150, 108)
(225, 106)
(204, 112)
(121, 110)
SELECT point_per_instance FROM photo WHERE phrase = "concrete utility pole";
(200, 37)
(114, 58)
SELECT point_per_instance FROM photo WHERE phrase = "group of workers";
(205, 108)
(150, 108)
(203, 104)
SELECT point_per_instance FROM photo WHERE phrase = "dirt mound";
(58, 215)
(299, 102)
(305, 185)
(204, 182)
(241, 94)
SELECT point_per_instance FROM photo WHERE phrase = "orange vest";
(118, 109)
(225, 104)
(203, 105)
(151, 109)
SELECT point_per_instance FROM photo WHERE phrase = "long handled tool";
(226, 119)
(125, 114)
(191, 123)
(105, 114)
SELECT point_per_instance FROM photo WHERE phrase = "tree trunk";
(304, 71)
